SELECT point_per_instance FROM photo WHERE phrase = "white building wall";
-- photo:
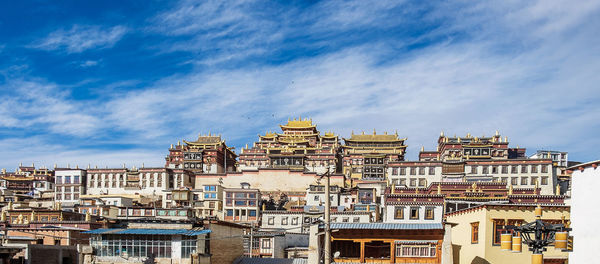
(389, 211)
(584, 214)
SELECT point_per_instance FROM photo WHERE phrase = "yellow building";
(476, 233)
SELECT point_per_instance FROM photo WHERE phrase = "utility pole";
(251, 238)
(327, 220)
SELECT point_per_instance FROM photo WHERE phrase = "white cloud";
(80, 38)
(88, 63)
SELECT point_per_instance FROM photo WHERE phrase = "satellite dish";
(336, 254)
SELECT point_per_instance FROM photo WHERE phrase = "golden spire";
(510, 190)
(458, 139)
(32, 216)
(506, 139)
(3, 216)
(557, 189)
(442, 133)
(374, 132)
(88, 216)
(468, 135)
(422, 148)
(497, 133)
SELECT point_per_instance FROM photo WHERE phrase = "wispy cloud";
(80, 38)
(528, 69)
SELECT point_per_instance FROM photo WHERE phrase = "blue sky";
(115, 82)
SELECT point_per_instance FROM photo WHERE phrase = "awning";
(132, 231)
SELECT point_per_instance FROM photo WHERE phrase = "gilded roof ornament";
(442, 133)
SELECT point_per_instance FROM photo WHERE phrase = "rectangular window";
(485, 169)
(284, 220)
(513, 169)
(504, 180)
(394, 171)
(76, 179)
(504, 169)
(431, 170)
(534, 168)
(266, 243)
(414, 213)
(59, 180)
(475, 233)
(473, 169)
(544, 169)
(544, 180)
(229, 212)
(252, 213)
(345, 220)
(410, 250)
(356, 220)
(534, 180)
(429, 215)
(399, 212)
(295, 221)
(403, 182)
(523, 169)
(494, 169)
(422, 182)
(402, 171)
(413, 171)
(413, 182)
(524, 181)
(514, 181)
(271, 220)
(421, 170)
(67, 179)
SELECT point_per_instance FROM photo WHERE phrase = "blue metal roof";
(386, 226)
(133, 231)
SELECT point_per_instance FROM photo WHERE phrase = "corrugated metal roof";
(385, 226)
(270, 261)
(133, 231)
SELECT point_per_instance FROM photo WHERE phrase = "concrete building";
(241, 205)
(69, 185)
(300, 221)
(146, 182)
(273, 244)
(402, 206)
(585, 181)
(476, 233)
(159, 242)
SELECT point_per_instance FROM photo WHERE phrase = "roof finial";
(442, 133)
(374, 132)
(363, 132)
(497, 133)
(422, 148)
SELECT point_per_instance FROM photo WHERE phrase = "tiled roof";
(132, 231)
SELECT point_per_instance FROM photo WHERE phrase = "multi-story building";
(366, 157)
(487, 159)
(315, 195)
(207, 155)
(300, 146)
(414, 173)
(147, 182)
(241, 204)
(69, 185)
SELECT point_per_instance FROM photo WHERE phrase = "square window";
(544, 180)
(271, 220)
(524, 180)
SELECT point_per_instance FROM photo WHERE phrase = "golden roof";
(300, 123)
(375, 137)
(205, 140)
